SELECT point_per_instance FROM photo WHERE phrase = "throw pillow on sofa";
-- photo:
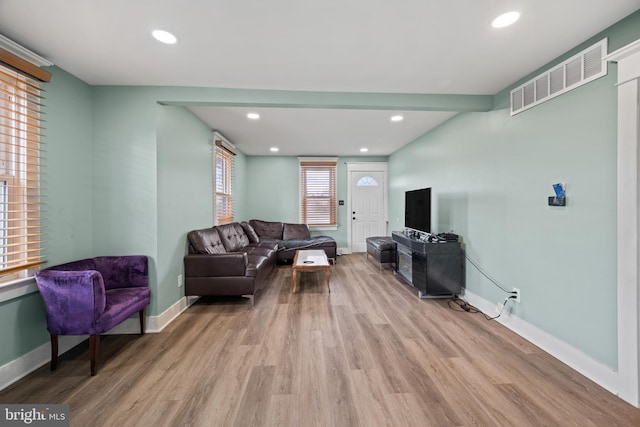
(295, 231)
(267, 229)
(251, 232)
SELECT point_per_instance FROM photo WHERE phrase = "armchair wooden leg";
(94, 350)
(54, 352)
(142, 322)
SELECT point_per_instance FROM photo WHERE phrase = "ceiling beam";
(199, 96)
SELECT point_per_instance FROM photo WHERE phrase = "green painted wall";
(185, 199)
(68, 167)
(24, 327)
(152, 181)
(274, 191)
(124, 171)
(491, 175)
(125, 192)
(68, 196)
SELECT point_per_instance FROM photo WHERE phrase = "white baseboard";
(24, 365)
(27, 363)
(343, 251)
(571, 356)
(156, 324)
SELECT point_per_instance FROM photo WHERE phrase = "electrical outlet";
(180, 280)
(499, 308)
(517, 294)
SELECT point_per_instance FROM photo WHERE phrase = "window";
(367, 181)
(223, 175)
(20, 229)
(318, 192)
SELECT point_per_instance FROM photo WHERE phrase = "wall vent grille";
(576, 71)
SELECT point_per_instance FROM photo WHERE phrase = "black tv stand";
(434, 269)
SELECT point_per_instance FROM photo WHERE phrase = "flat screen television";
(417, 209)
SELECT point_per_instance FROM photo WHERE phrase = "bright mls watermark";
(34, 415)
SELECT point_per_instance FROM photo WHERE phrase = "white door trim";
(366, 167)
(628, 221)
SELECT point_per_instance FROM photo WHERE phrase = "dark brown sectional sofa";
(291, 237)
(236, 258)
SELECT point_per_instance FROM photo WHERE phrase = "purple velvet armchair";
(91, 296)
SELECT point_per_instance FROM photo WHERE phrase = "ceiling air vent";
(580, 69)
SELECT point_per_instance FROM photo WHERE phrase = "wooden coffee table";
(310, 260)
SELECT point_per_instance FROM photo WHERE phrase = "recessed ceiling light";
(364, 150)
(397, 118)
(274, 149)
(505, 19)
(253, 116)
(164, 36)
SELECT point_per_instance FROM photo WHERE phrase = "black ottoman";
(383, 249)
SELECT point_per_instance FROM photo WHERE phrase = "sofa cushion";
(271, 244)
(251, 233)
(268, 229)
(233, 237)
(121, 303)
(295, 231)
(256, 250)
(206, 241)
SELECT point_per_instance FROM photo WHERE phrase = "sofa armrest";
(215, 265)
(73, 299)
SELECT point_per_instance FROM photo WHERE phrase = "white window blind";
(223, 164)
(20, 133)
(318, 193)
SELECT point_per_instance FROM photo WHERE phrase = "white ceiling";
(404, 46)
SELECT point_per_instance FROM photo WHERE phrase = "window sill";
(17, 288)
(323, 228)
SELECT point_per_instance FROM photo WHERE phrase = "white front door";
(368, 208)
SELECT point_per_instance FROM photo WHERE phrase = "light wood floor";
(370, 353)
